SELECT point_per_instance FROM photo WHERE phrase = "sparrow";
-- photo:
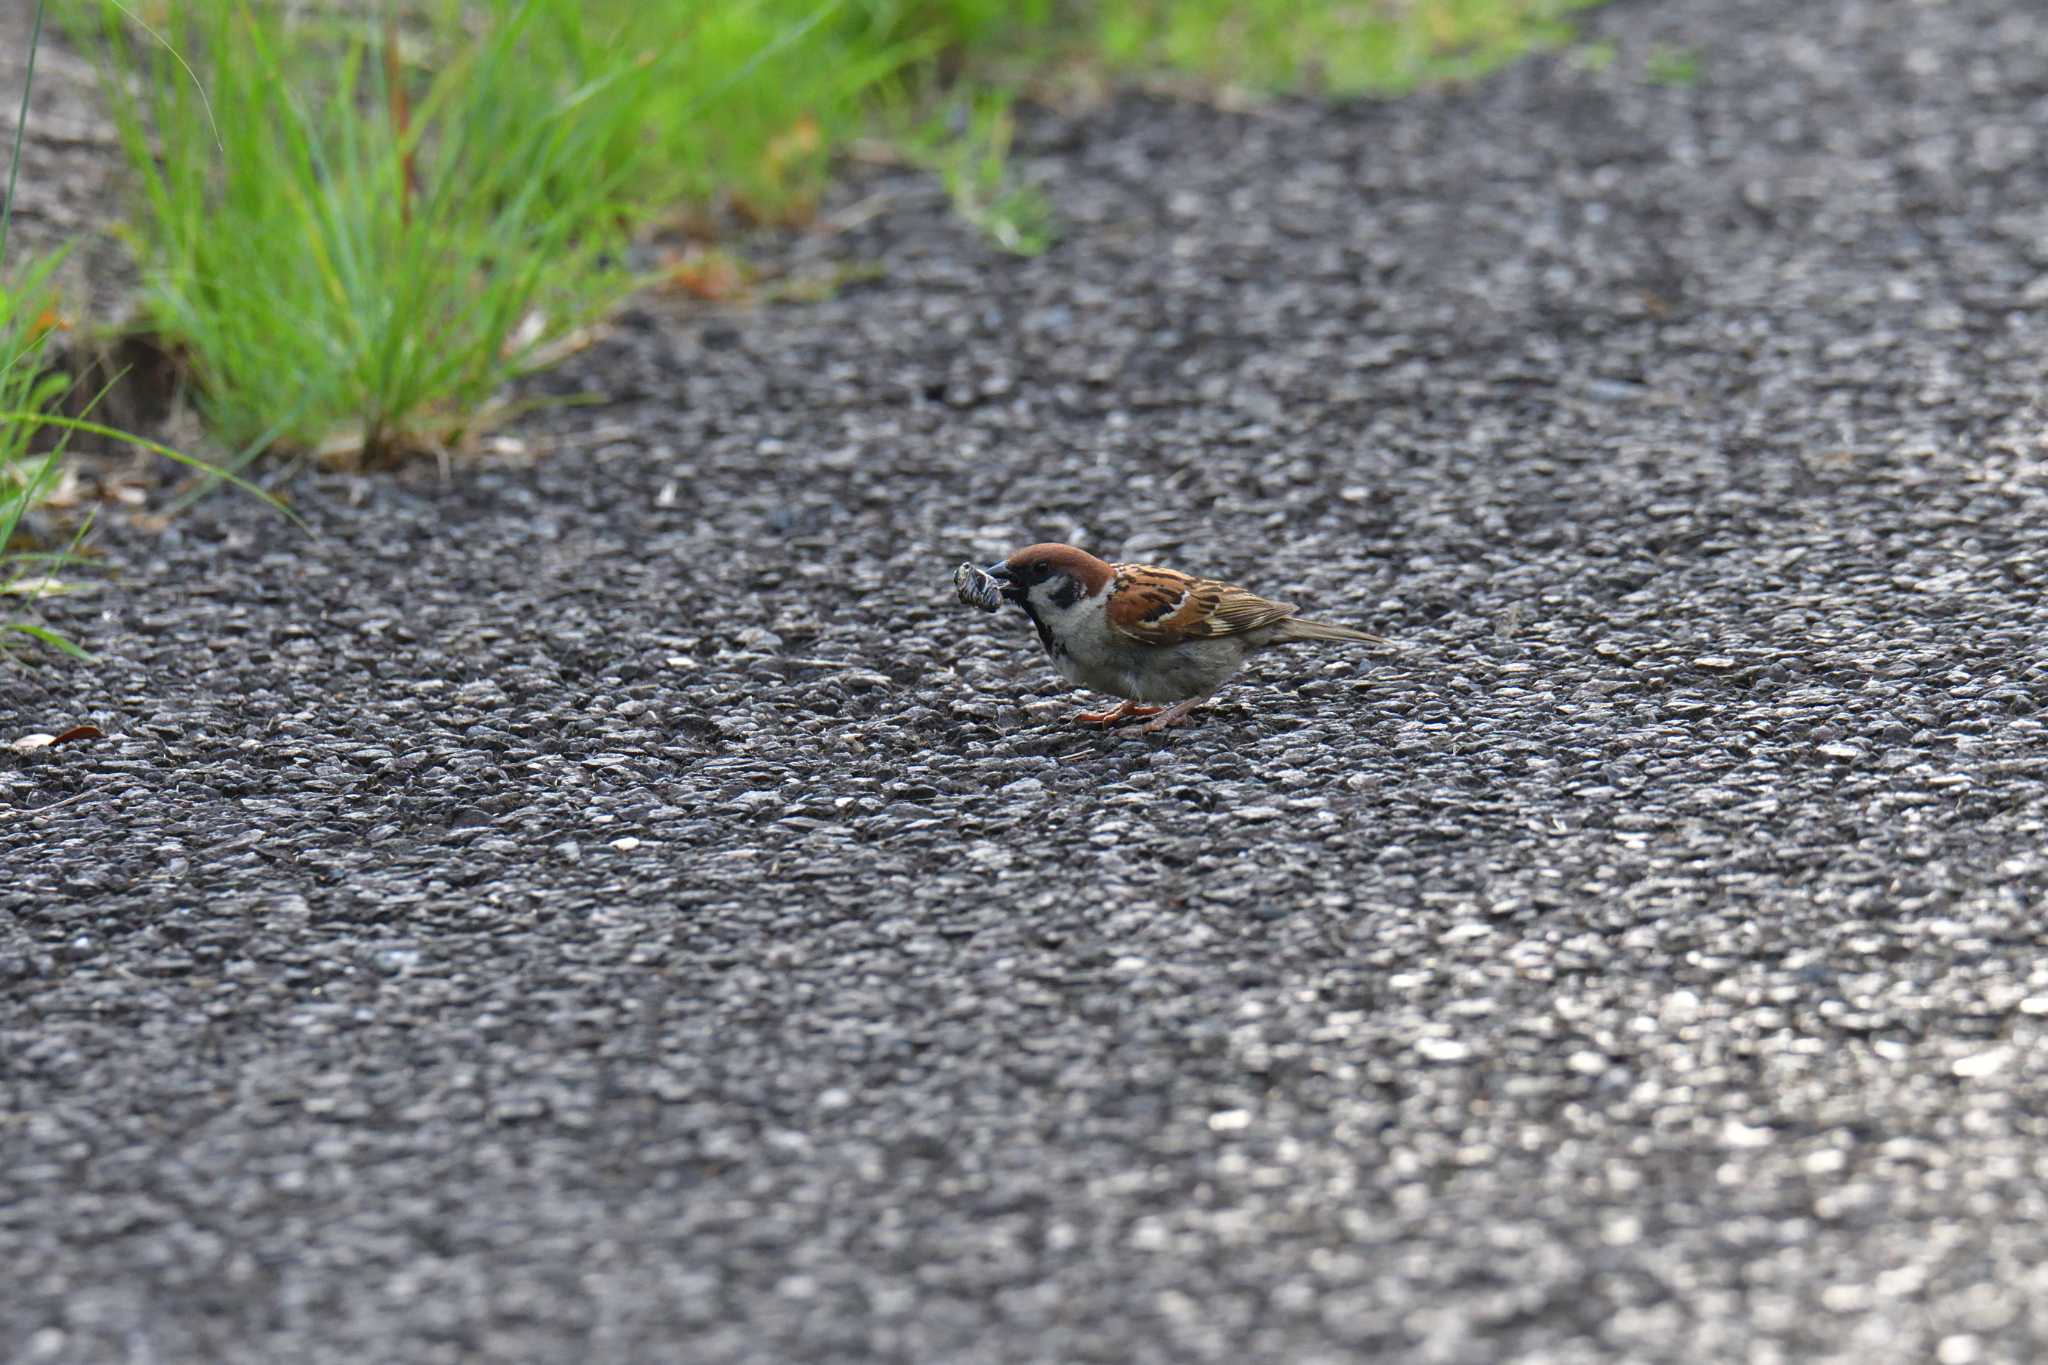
(1146, 634)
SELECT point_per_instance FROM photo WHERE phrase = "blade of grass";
(50, 638)
(28, 81)
(31, 417)
(29, 391)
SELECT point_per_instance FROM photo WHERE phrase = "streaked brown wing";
(1165, 606)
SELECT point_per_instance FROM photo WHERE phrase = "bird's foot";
(1129, 710)
(1172, 715)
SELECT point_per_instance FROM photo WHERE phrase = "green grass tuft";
(352, 256)
(29, 394)
(31, 389)
(357, 231)
(358, 236)
(753, 96)
(968, 147)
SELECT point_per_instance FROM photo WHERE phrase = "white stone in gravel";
(1985, 1063)
(1960, 1349)
(1736, 1133)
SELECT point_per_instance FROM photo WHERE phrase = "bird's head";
(1050, 578)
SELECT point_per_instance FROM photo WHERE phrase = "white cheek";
(1044, 598)
(1079, 625)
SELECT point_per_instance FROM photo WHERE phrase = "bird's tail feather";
(1294, 628)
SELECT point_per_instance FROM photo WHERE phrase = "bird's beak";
(1001, 573)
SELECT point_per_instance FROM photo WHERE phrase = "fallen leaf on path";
(713, 275)
(29, 743)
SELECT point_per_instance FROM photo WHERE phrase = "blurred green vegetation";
(1326, 46)
(1674, 66)
(29, 392)
(33, 431)
(355, 225)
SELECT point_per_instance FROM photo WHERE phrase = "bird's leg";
(1123, 711)
(1174, 714)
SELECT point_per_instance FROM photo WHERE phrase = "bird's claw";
(1172, 715)
(1125, 711)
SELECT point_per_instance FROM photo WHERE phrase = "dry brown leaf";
(714, 276)
(30, 743)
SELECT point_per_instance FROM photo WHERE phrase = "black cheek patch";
(1067, 593)
(1044, 631)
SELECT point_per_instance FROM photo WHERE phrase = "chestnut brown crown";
(1036, 562)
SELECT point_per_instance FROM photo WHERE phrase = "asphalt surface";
(615, 904)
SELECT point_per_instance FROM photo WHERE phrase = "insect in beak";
(980, 587)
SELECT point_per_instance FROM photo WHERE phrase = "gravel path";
(614, 904)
